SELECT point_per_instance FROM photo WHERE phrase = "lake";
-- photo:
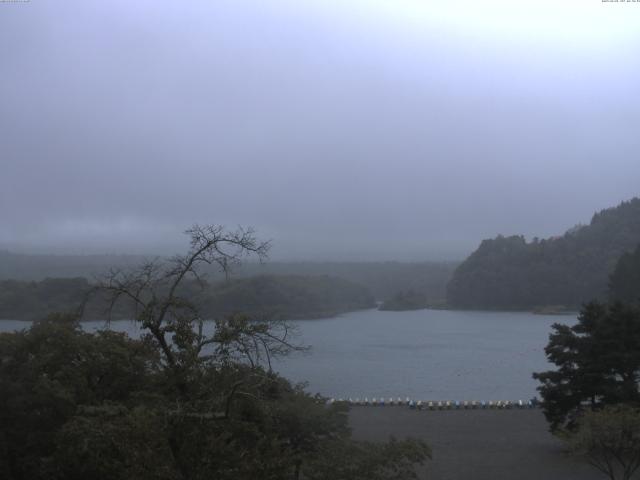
(423, 354)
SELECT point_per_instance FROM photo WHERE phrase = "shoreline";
(338, 313)
(535, 311)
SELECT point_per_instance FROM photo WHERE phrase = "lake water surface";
(424, 354)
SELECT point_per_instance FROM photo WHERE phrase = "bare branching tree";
(161, 294)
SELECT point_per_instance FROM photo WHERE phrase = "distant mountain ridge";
(383, 279)
(511, 273)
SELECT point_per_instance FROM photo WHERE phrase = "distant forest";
(263, 296)
(406, 300)
(511, 273)
(384, 280)
(624, 283)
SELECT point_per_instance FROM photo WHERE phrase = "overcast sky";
(341, 129)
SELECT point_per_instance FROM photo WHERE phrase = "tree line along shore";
(550, 276)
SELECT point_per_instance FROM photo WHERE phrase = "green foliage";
(112, 441)
(610, 440)
(510, 273)
(598, 362)
(48, 372)
(624, 283)
(77, 405)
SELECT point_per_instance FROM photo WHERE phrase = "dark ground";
(476, 444)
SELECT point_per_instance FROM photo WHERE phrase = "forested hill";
(511, 273)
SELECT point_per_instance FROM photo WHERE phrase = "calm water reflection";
(424, 354)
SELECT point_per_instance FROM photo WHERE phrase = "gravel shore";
(476, 444)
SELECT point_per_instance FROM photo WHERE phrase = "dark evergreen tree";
(598, 362)
(624, 283)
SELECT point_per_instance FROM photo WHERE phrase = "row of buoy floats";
(438, 405)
